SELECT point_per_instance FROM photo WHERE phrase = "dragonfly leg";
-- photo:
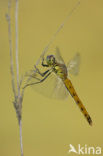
(32, 75)
(41, 74)
(38, 81)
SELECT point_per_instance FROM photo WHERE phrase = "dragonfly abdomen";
(73, 93)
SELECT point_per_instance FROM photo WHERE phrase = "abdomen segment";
(73, 93)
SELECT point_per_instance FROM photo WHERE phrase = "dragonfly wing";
(52, 87)
(74, 64)
(60, 91)
(58, 56)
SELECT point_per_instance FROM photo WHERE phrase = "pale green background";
(49, 126)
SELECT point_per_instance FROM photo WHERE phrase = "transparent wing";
(52, 87)
(60, 91)
(58, 56)
(74, 64)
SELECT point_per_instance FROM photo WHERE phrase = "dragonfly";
(54, 82)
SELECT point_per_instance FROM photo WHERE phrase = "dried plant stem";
(11, 50)
(18, 97)
(16, 48)
(17, 72)
(20, 130)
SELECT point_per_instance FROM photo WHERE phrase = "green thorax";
(60, 70)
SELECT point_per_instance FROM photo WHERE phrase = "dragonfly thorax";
(50, 59)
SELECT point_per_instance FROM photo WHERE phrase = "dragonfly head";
(50, 59)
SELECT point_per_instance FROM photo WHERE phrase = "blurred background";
(49, 126)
